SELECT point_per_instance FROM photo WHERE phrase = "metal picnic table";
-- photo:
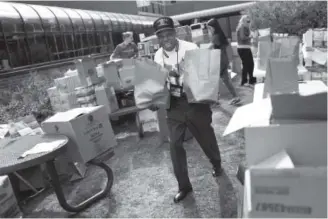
(10, 162)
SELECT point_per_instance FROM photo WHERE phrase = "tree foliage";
(292, 17)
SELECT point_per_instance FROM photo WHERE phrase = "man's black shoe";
(217, 171)
(182, 194)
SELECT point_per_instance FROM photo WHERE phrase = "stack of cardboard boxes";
(89, 130)
(315, 47)
(286, 149)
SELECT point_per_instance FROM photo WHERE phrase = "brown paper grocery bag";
(266, 50)
(150, 84)
(281, 76)
(289, 48)
(202, 75)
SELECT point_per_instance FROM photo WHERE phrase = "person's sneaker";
(235, 101)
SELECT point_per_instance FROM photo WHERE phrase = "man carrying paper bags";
(181, 115)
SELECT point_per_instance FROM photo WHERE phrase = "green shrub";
(29, 97)
(292, 17)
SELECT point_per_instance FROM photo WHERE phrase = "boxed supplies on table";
(110, 71)
(62, 101)
(67, 84)
(86, 96)
(88, 129)
(70, 72)
(286, 152)
(9, 206)
(127, 75)
(87, 71)
(106, 96)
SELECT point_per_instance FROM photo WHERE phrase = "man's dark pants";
(197, 118)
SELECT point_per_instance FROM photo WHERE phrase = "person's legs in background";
(243, 56)
(224, 74)
(250, 61)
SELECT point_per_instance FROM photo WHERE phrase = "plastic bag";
(202, 75)
(150, 81)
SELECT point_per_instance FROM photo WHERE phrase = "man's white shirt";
(174, 58)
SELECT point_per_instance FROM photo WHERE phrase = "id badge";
(176, 90)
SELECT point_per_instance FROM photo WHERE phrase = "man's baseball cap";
(163, 23)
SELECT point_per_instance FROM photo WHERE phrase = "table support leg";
(83, 205)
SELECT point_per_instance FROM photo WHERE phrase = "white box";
(111, 74)
(9, 207)
(127, 75)
(62, 101)
(264, 139)
(149, 121)
(106, 96)
(53, 91)
(88, 129)
(67, 84)
(87, 72)
(278, 189)
(305, 88)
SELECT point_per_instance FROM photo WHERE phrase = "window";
(38, 48)
(18, 50)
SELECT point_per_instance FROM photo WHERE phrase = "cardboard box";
(264, 139)
(111, 74)
(71, 72)
(62, 101)
(127, 75)
(296, 106)
(88, 129)
(305, 88)
(87, 72)
(85, 91)
(69, 100)
(9, 207)
(276, 188)
(67, 84)
(4, 131)
(106, 96)
(87, 99)
(149, 121)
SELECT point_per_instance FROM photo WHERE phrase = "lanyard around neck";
(167, 56)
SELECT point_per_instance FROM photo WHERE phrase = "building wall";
(125, 7)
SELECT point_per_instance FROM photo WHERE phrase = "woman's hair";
(218, 32)
(242, 21)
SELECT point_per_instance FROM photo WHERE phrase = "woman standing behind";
(244, 50)
(219, 41)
